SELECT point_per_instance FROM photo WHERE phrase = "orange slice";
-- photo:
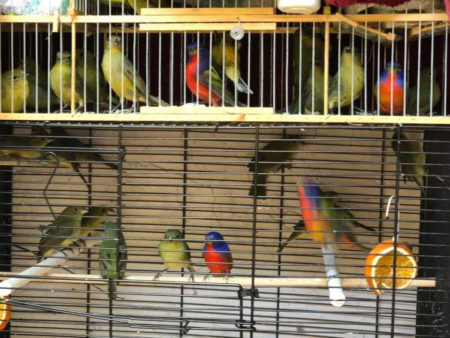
(5, 313)
(379, 270)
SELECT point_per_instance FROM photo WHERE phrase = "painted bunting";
(200, 64)
(61, 81)
(348, 83)
(24, 146)
(40, 95)
(174, 251)
(232, 58)
(87, 64)
(94, 219)
(15, 90)
(424, 93)
(270, 159)
(63, 232)
(217, 254)
(303, 46)
(391, 85)
(120, 73)
(113, 257)
(299, 231)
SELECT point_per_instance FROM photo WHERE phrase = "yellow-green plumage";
(343, 80)
(424, 94)
(174, 251)
(270, 159)
(63, 232)
(24, 147)
(15, 90)
(120, 73)
(299, 232)
(314, 103)
(113, 256)
(94, 219)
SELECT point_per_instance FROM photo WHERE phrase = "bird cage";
(174, 168)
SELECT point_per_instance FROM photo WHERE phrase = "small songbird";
(63, 232)
(120, 74)
(270, 159)
(94, 219)
(424, 94)
(298, 232)
(15, 90)
(87, 65)
(61, 81)
(348, 83)
(232, 60)
(208, 80)
(23, 147)
(41, 97)
(113, 257)
(217, 254)
(174, 251)
(313, 101)
(391, 84)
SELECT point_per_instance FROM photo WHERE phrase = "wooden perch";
(44, 267)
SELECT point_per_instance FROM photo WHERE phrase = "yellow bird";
(138, 4)
(15, 90)
(350, 76)
(232, 60)
(121, 74)
(61, 81)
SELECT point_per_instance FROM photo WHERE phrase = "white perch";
(9, 285)
(337, 296)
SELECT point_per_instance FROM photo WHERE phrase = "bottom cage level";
(179, 183)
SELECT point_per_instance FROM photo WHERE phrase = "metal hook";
(386, 215)
(43, 157)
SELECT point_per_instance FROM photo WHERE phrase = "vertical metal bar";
(254, 222)
(378, 70)
(88, 267)
(326, 69)
(273, 71)
(286, 84)
(248, 66)
(352, 108)
(405, 72)
(300, 42)
(432, 69)
(391, 84)
(339, 65)
(183, 217)
(444, 108)
(74, 66)
(261, 69)
(419, 59)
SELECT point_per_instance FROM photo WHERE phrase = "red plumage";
(385, 95)
(343, 3)
(217, 262)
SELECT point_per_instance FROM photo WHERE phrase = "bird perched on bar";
(94, 219)
(120, 74)
(175, 252)
(113, 257)
(302, 64)
(231, 57)
(23, 146)
(313, 92)
(392, 86)
(41, 97)
(208, 82)
(15, 90)
(61, 81)
(348, 83)
(426, 81)
(87, 64)
(217, 254)
(63, 232)
(270, 159)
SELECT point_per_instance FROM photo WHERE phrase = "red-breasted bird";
(391, 85)
(217, 254)
(208, 84)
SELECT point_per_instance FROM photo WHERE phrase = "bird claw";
(191, 278)
(156, 278)
(205, 279)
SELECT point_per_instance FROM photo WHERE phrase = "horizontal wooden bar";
(198, 109)
(159, 114)
(208, 11)
(206, 27)
(260, 282)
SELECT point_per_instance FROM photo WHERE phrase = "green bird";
(23, 146)
(121, 75)
(425, 90)
(87, 65)
(340, 93)
(315, 84)
(299, 231)
(40, 95)
(302, 65)
(61, 81)
(15, 90)
(94, 219)
(270, 159)
(63, 232)
(113, 257)
(175, 252)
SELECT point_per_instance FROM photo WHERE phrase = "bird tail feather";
(242, 87)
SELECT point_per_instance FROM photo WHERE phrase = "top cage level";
(223, 61)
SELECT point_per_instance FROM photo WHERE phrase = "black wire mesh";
(196, 179)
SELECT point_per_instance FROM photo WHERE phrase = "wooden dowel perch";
(44, 267)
